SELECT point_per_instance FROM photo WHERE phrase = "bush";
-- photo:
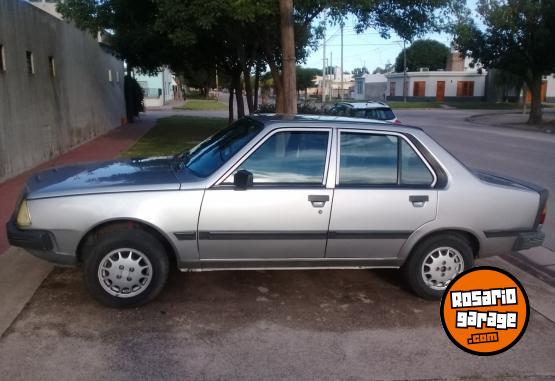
(134, 97)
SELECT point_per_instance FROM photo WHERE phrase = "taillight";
(397, 121)
(542, 215)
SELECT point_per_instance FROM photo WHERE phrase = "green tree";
(518, 37)
(360, 71)
(305, 78)
(423, 53)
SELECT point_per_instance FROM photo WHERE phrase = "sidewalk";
(515, 119)
(104, 147)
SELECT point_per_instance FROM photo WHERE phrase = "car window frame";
(221, 182)
(383, 186)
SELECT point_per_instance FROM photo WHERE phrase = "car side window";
(290, 157)
(368, 159)
(376, 159)
(413, 169)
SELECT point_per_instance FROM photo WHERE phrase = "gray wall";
(42, 116)
(375, 90)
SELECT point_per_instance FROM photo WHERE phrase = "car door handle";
(418, 201)
(318, 201)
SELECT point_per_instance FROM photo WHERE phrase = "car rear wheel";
(126, 269)
(434, 263)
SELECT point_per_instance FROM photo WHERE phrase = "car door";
(384, 191)
(284, 214)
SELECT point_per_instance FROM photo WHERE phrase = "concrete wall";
(42, 115)
(431, 78)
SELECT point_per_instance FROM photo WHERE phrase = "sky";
(365, 49)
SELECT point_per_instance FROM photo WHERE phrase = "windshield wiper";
(180, 159)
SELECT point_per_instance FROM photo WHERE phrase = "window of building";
(360, 86)
(292, 157)
(30, 62)
(419, 89)
(52, 66)
(372, 159)
(110, 79)
(2, 58)
(391, 89)
(465, 88)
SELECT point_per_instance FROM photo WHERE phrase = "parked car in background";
(277, 192)
(368, 110)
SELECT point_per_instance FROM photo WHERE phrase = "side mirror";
(243, 179)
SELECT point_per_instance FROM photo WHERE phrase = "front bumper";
(528, 240)
(38, 243)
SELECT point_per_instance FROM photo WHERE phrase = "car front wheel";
(434, 263)
(126, 269)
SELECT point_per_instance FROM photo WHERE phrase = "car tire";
(435, 262)
(126, 269)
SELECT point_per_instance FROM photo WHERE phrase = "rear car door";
(284, 214)
(384, 191)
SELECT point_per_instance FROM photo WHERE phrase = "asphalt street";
(297, 325)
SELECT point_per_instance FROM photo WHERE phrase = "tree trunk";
(536, 104)
(289, 83)
(278, 87)
(248, 89)
(239, 95)
(256, 86)
(230, 104)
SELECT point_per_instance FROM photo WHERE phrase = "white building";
(159, 89)
(370, 87)
(47, 6)
(438, 85)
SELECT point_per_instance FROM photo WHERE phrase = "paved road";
(521, 154)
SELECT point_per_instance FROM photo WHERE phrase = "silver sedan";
(276, 192)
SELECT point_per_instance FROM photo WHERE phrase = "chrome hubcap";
(125, 272)
(440, 266)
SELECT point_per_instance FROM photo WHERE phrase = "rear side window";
(290, 157)
(375, 159)
(413, 170)
(380, 114)
(367, 159)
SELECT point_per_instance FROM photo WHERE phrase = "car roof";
(329, 120)
(364, 105)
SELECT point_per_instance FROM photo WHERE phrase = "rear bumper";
(528, 240)
(38, 243)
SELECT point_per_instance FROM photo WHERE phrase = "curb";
(21, 275)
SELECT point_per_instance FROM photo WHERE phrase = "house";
(59, 86)
(370, 87)
(159, 89)
(437, 85)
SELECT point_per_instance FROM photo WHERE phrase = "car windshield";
(212, 153)
(382, 113)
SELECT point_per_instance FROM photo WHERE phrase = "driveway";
(255, 325)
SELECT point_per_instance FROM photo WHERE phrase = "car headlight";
(23, 217)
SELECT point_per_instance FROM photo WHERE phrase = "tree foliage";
(240, 38)
(360, 71)
(305, 77)
(518, 38)
(423, 53)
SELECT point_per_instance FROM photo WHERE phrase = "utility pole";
(217, 87)
(342, 93)
(404, 72)
(332, 78)
(324, 72)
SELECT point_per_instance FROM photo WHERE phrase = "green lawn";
(202, 104)
(401, 104)
(175, 134)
